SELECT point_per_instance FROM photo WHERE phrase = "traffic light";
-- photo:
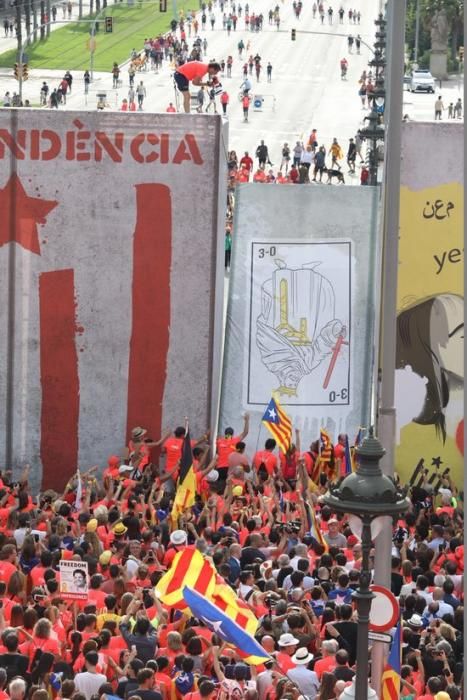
(25, 71)
(109, 25)
(162, 5)
(16, 71)
(461, 53)
(294, 34)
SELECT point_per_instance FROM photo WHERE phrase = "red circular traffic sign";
(384, 611)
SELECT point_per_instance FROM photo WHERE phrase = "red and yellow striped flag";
(189, 568)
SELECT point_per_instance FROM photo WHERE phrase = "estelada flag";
(279, 424)
(186, 489)
(391, 679)
(225, 627)
(235, 608)
(189, 568)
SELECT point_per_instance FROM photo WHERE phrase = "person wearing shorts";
(193, 72)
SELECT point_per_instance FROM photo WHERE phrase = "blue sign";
(258, 102)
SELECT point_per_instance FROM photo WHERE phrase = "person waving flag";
(279, 424)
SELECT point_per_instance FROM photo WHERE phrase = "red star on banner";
(21, 214)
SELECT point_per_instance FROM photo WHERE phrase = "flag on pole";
(79, 492)
(186, 489)
(325, 452)
(348, 458)
(225, 628)
(391, 679)
(313, 527)
(189, 568)
(279, 424)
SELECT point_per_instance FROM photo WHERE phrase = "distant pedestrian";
(54, 99)
(330, 14)
(87, 80)
(212, 100)
(351, 155)
(131, 74)
(450, 110)
(358, 41)
(7, 99)
(285, 157)
(131, 94)
(115, 74)
(200, 96)
(171, 109)
(64, 4)
(262, 154)
(64, 89)
(350, 42)
(69, 78)
(439, 107)
(224, 101)
(458, 109)
(341, 15)
(44, 94)
(69, 8)
(54, 12)
(6, 26)
(246, 106)
(269, 72)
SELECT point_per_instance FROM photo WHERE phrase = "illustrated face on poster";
(430, 334)
(299, 323)
(430, 340)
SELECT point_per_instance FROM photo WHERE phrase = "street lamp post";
(374, 133)
(368, 494)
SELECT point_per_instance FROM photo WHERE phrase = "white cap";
(178, 537)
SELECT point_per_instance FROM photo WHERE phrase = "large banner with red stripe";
(109, 268)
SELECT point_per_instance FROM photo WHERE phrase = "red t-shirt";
(7, 570)
(269, 459)
(225, 446)
(246, 162)
(193, 69)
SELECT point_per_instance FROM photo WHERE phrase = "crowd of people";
(301, 164)
(250, 519)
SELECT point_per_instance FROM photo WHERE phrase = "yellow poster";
(430, 333)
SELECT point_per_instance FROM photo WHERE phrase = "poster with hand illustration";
(299, 323)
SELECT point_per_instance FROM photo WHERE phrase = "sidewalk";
(11, 43)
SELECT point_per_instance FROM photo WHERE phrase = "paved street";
(306, 90)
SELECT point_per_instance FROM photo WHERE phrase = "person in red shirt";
(265, 459)
(171, 108)
(288, 461)
(247, 162)
(193, 72)
(224, 101)
(339, 455)
(328, 662)
(294, 174)
(227, 444)
(246, 106)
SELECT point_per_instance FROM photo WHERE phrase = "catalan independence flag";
(186, 489)
(313, 527)
(189, 568)
(225, 598)
(225, 627)
(325, 446)
(279, 424)
(391, 679)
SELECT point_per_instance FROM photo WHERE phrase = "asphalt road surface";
(306, 90)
